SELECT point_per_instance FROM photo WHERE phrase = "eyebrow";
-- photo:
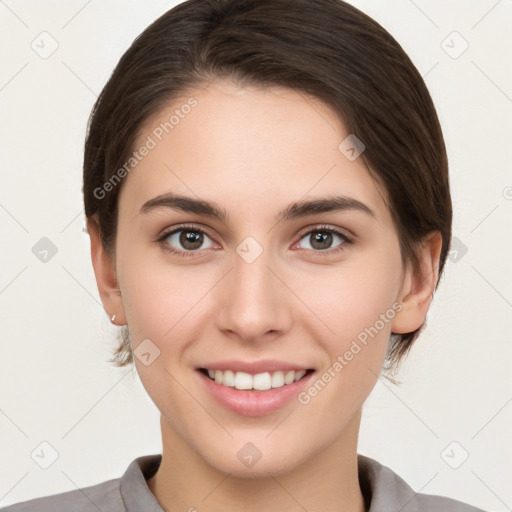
(293, 211)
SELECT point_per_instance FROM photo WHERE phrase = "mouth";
(263, 381)
(254, 388)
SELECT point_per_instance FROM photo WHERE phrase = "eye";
(189, 240)
(321, 238)
(185, 240)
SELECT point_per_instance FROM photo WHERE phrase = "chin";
(245, 460)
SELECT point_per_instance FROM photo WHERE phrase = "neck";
(328, 482)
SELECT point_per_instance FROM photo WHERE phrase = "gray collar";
(382, 488)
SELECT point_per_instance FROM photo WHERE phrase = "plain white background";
(455, 400)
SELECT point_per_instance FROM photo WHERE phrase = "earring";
(113, 319)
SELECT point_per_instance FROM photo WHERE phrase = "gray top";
(382, 488)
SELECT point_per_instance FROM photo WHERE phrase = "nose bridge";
(253, 302)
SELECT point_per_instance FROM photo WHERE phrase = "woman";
(266, 188)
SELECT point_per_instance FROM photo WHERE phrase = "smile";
(258, 382)
(254, 388)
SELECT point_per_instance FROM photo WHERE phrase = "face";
(257, 296)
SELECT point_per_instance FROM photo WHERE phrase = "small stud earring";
(113, 319)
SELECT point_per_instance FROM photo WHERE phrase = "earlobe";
(418, 286)
(104, 270)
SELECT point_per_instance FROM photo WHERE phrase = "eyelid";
(304, 231)
(166, 233)
(192, 226)
(341, 232)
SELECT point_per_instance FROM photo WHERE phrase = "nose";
(253, 302)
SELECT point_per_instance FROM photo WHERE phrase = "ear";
(104, 270)
(418, 286)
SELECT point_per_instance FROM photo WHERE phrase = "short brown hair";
(326, 48)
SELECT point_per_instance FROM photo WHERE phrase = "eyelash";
(193, 228)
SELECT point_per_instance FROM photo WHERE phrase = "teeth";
(242, 380)
(259, 382)
(277, 379)
(228, 378)
(299, 375)
(288, 378)
(262, 381)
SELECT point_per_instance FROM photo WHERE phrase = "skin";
(293, 303)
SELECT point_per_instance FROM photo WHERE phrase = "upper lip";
(254, 367)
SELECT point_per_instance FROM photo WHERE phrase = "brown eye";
(191, 240)
(186, 240)
(321, 239)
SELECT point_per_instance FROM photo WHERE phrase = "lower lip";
(254, 403)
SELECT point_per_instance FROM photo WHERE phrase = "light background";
(55, 383)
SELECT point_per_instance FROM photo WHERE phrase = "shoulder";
(130, 492)
(428, 502)
(104, 496)
(385, 490)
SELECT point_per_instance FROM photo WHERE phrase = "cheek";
(360, 313)
(354, 298)
(162, 301)
(357, 303)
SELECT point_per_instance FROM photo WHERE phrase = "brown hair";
(326, 48)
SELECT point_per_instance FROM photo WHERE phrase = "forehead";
(247, 146)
